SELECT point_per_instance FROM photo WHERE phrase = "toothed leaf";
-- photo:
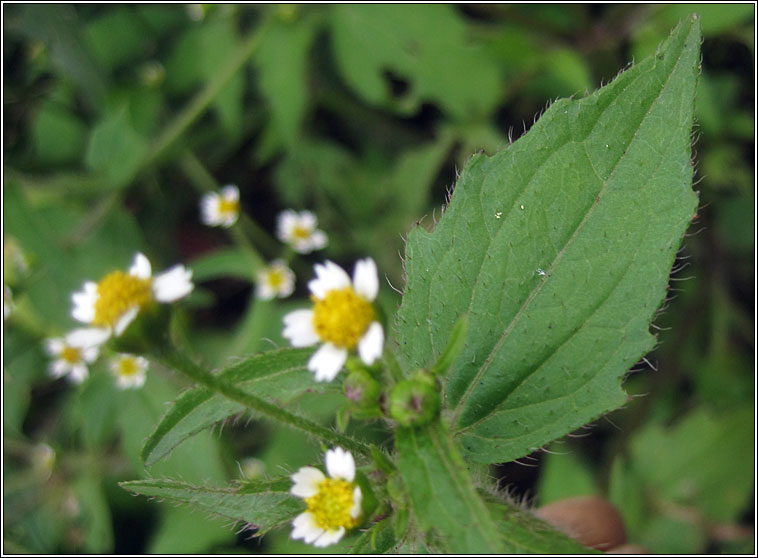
(559, 249)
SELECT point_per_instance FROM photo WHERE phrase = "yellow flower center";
(72, 355)
(332, 503)
(118, 293)
(275, 278)
(301, 233)
(127, 366)
(342, 317)
(228, 206)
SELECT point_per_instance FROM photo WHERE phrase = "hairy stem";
(178, 361)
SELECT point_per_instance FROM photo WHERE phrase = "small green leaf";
(58, 135)
(276, 376)
(378, 539)
(116, 37)
(559, 250)
(115, 149)
(454, 347)
(264, 505)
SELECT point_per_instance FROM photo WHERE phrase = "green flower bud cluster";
(411, 402)
(415, 401)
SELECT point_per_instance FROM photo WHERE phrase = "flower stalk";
(178, 361)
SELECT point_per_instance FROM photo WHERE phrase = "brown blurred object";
(591, 520)
(628, 549)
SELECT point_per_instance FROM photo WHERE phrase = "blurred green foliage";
(117, 119)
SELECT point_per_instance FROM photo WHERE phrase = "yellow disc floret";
(128, 366)
(275, 278)
(228, 206)
(331, 505)
(342, 317)
(71, 355)
(117, 293)
(301, 233)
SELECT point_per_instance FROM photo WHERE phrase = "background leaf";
(424, 47)
(559, 248)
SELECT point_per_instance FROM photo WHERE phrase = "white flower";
(334, 503)
(74, 352)
(129, 370)
(299, 231)
(8, 305)
(342, 318)
(221, 209)
(113, 303)
(275, 280)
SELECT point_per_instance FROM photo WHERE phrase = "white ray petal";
(298, 328)
(355, 511)
(306, 482)
(124, 320)
(327, 362)
(340, 464)
(329, 276)
(365, 279)
(173, 284)
(371, 345)
(141, 266)
(329, 537)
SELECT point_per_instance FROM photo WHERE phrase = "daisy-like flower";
(221, 209)
(300, 232)
(334, 502)
(129, 370)
(342, 318)
(275, 280)
(74, 352)
(113, 303)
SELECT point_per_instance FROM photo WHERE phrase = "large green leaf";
(263, 505)
(448, 507)
(276, 376)
(559, 250)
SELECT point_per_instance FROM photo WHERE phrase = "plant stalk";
(178, 361)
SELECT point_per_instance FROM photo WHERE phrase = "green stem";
(200, 102)
(175, 129)
(178, 361)
(204, 182)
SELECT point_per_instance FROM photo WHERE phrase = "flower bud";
(362, 389)
(415, 401)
